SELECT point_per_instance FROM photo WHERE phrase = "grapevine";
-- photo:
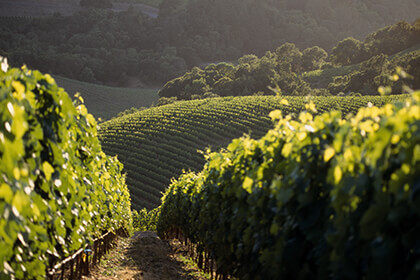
(58, 190)
(315, 198)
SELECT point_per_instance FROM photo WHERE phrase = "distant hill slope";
(27, 8)
(106, 102)
(41, 8)
(321, 78)
(156, 144)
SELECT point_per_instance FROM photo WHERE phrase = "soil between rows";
(145, 257)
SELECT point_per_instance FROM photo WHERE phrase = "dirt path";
(145, 257)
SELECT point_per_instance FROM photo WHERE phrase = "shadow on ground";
(145, 257)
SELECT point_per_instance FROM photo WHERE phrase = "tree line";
(286, 69)
(102, 46)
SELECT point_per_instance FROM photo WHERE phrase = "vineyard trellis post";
(79, 263)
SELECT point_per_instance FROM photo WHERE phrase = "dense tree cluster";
(284, 68)
(376, 55)
(252, 75)
(109, 47)
(387, 40)
(96, 45)
(228, 28)
(376, 72)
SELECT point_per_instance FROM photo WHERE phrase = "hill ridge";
(106, 102)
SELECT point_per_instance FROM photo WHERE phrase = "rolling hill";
(43, 8)
(156, 144)
(106, 102)
(322, 77)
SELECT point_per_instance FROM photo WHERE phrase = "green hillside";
(159, 44)
(106, 102)
(322, 77)
(158, 143)
(352, 66)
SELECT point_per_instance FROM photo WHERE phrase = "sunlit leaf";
(48, 170)
(328, 154)
(275, 115)
(338, 174)
(247, 185)
(6, 192)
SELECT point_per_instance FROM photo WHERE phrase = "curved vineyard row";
(158, 143)
(315, 198)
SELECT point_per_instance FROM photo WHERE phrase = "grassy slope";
(106, 102)
(158, 143)
(321, 78)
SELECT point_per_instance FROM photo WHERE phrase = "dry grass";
(146, 257)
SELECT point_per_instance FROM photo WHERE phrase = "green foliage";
(410, 62)
(144, 220)
(393, 38)
(156, 144)
(58, 190)
(315, 198)
(286, 68)
(110, 47)
(288, 53)
(347, 51)
(111, 51)
(377, 71)
(130, 111)
(388, 40)
(251, 75)
(166, 100)
(313, 58)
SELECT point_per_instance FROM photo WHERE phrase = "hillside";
(321, 78)
(43, 8)
(109, 46)
(156, 144)
(106, 102)
(352, 66)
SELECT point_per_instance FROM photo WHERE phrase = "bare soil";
(146, 257)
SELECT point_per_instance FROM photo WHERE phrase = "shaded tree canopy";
(116, 46)
(285, 68)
